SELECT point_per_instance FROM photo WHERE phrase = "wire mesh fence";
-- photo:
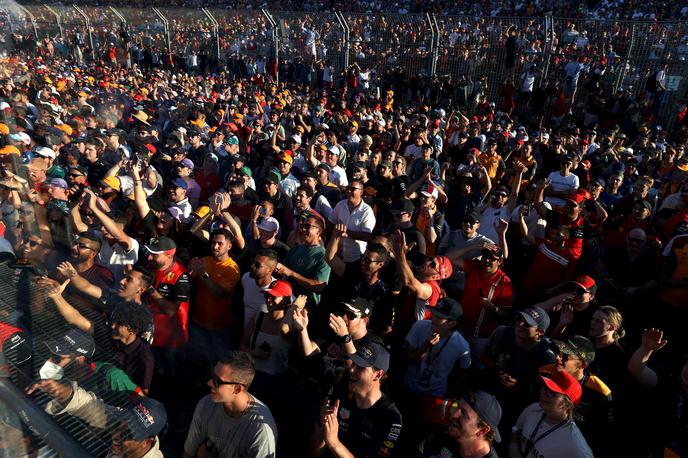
(468, 57)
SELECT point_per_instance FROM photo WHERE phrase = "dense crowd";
(598, 9)
(211, 263)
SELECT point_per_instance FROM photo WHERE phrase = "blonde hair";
(615, 319)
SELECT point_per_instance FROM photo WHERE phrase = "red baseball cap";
(279, 288)
(587, 283)
(444, 267)
(563, 383)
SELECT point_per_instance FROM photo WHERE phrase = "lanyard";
(432, 357)
(490, 294)
(531, 442)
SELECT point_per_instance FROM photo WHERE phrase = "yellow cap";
(9, 149)
(202, 211)
(4, 130)
(66, 128)
(112, 182)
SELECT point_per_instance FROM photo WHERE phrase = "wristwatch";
(346, 339)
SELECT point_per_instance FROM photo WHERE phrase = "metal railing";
(486, 52)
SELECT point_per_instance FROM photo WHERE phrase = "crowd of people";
(209, 262)
(598, 9)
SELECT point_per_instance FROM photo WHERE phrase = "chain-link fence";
(467, 56)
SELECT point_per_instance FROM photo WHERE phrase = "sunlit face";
(463, 423)
(220, 246)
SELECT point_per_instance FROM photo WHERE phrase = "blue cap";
(371, 354)
(179, 183)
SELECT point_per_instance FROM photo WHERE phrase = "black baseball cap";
(448, 309)
(359, 306)
(161, 245)
(73, 343)
(371, 354)
(535, 316)
(146, 418)
(402, 206)
(471, 217)
(487, 408)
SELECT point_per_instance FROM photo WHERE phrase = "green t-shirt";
(308, 261)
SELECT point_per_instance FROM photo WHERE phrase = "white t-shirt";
(489, 217)
(115, 257)
(414, 151)
(440, 360)
(361, 219)
(565, 441)
(560, 183)
(254, 301)
(536, 225)
(338, 176)
(253, 434)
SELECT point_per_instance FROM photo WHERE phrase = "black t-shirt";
(371, 432)
(610, 365)
(440, 445)
(416, 255)
(352, 285)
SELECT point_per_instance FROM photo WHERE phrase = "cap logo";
(144, 415)
(365, 352)
(69, 340)
(535, 314)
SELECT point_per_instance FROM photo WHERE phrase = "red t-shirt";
(173, 284)
(495, 287)
(423, 306)
(550, 267)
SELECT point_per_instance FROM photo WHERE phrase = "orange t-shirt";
(211, 313)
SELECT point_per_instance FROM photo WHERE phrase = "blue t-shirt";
(440, 360)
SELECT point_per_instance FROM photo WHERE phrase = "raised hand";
(51, 287)
(653, 339)
(338, 325)
(340, 230)
(67, 269)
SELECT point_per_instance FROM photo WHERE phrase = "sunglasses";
(308, 225)
(33, 243)
(75, 175)
(82, 246)
(568, 357)
(348, 314)
(368, 260)
(217, 381)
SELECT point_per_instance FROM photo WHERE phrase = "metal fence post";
(58, 19)
(275, 41)
(88, 29)
(626, 61)
(216, 30)
(347, 33)
(166, 25)
(549, 40)
(32, 18)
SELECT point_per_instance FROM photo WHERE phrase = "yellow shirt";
(211, 313)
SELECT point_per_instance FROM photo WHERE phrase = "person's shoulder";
(262, 413)
(387, 408)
